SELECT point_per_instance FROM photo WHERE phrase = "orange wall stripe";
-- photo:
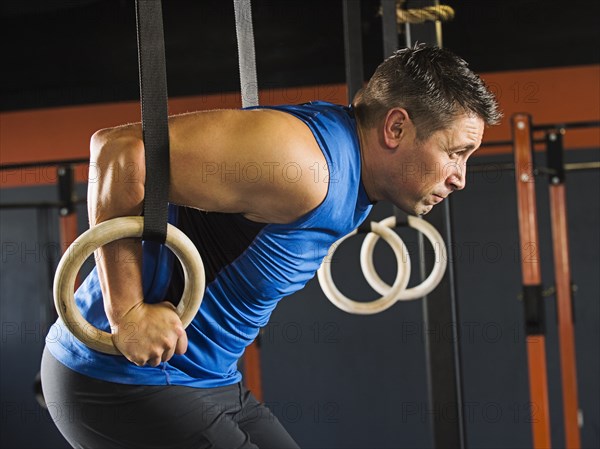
(555, 95)
(64, 133)
(549, 95)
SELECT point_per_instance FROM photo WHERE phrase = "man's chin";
(423, 209)
(416, 209)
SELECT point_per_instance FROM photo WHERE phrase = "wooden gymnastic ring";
(430, 283)
(387, 299)
(100, 235)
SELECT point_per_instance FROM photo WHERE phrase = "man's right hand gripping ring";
(100, 235)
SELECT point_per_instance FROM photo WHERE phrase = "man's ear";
(395, 127)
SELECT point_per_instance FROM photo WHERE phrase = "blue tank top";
(250, 267)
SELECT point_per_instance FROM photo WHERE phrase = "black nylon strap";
(353, 47)
(389, 27)
(155, 124)
(555, 157)
(401, 218)
(364, 228)
(534, 308)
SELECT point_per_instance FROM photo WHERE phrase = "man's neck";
(365, 138)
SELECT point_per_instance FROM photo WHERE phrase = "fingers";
(168, 351)
(179, 348)
(164, 356)
(182, 344)
(154, 362)
(160, 335)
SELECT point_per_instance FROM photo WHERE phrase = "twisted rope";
(429, 13)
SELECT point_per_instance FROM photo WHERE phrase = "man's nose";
(457, 179)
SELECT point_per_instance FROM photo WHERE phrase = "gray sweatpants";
(95, 414)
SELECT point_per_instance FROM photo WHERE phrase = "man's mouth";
(438, 198)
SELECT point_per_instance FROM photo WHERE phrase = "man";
(263, 193)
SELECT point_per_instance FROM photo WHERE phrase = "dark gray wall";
(30, 250)
(371, 375)
(341, 381)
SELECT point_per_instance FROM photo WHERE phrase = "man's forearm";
(120, 272)
(116, 191)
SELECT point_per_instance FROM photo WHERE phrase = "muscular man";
(249, 188)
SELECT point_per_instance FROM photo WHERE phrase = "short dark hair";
(432, 84)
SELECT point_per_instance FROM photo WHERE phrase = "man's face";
(430, 170)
